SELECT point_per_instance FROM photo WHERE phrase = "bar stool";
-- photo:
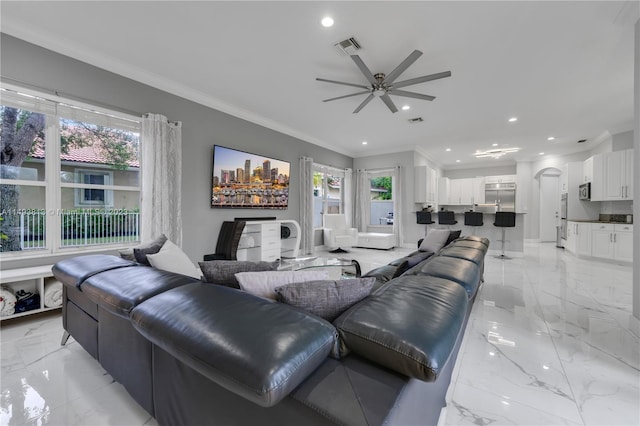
(446, 218)
(473, 219)
(504, 220)
(424, 218)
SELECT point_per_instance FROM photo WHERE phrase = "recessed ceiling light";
(327, 21)
(550, 138)
(448, 149)
(494, 144)
(512, 119)
(541, 153)
(457, 161)
(364, 142)
(406, 107)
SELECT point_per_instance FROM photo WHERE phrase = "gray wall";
(480, 171)
(202, 127)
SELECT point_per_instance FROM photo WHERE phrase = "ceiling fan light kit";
(381, 85)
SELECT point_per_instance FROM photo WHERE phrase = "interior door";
(549, 207)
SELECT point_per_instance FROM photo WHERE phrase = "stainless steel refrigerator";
(501, 194)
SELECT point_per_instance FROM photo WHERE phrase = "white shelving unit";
(261, 241)
(29, 279)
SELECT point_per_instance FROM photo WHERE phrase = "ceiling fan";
(381, 85)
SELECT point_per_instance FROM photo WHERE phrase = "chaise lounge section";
(201, 352)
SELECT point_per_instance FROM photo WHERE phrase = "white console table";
(261, 240)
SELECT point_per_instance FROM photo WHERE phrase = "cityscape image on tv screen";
(244, 180)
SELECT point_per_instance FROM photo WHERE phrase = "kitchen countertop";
(598, 221)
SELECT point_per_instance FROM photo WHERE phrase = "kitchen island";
(514, 244)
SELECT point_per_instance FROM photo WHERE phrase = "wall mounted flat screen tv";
(248, 181)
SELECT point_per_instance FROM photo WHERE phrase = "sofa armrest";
(256, 348)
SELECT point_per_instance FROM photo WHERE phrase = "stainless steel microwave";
(585, 191)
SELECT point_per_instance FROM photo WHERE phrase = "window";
(381, 190)
(70, 176)
(91, 197)
(328, 187)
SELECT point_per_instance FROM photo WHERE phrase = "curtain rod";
(54, 92)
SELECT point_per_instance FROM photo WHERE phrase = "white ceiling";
(565, 69)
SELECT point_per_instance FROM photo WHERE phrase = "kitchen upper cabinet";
(443, 190)
(612, 177)
(461, 191)
(426, 184)
(587, 170)
(500, 179)
(478, 190)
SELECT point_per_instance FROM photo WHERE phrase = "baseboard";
(531, 240)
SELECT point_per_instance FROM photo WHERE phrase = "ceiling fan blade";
(412, 95)
(347, 96)
(361, 86)
(422, 79)
(403, 66)
(364, 69)
(366, 101)
(388, 102)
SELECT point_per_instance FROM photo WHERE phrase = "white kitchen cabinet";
(612, 241)
(583, 238)
(570, 241)
(461, 192)
(587, 170)
(602, 240)
(617, 175)
(623, 242)
(578, 238)
(478, 190)
(425, 184)
(500, 179)
(597, 178)
(443, 191)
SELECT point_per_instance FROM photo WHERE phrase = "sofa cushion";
(409, 326)
(263, 284)
(461, 271)
(435, 240)
(76, 270)
(224, 271)
(120, 290)
(326, 299)
(171, 258)
(471, 244)
(412, 260)
(469, 253)
(141, 252)
(253, 347)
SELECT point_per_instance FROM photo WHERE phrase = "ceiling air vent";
(582, 140)
(416, 120)
(348, 47)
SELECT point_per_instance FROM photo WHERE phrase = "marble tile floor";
(548, 343)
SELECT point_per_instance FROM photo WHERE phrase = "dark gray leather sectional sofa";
(194, 353)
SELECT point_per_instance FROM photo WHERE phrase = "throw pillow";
(326, 299)
(434, 240)
(224, 271)
(171, 258)
(453, 235)
(127, 254)
(263, 283)
(140, 253)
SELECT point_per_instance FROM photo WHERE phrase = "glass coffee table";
(338, 267)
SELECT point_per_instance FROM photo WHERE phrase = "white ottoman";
(376, 240)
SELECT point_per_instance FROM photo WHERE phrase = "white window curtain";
(347, 196)
(306, 205)
(363, 200)
(397, 184)
(161, 178)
